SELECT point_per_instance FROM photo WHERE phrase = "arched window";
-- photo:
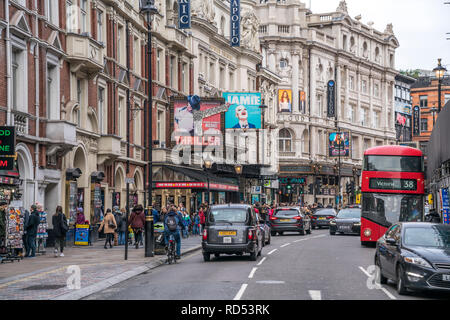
(284, 141)
(222, 25)
(377, 54)
(283, 63)
(344, 42)
(365, 48)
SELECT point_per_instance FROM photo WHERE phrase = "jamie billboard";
(244, 112)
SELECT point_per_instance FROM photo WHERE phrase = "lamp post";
(263, 108)
(148, 7)
(434, 110)
(208, 165)
(439, 71)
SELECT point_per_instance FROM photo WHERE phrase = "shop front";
(189, 187)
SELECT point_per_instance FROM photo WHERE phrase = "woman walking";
(137, 223)
(108, 225)
(60, 228)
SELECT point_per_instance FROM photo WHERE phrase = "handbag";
(111, 224)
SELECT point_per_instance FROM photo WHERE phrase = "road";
(293, 267)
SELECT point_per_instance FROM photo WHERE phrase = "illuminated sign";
(393, 184)
(184, 14)
(235, 17)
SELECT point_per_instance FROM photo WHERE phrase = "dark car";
(232, 229)
(322, 217)
(265, 228)
(416, 255)
(346, 221)
(290, 219)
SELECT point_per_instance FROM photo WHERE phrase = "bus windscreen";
(393, 163)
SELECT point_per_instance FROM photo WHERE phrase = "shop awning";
(197, 179)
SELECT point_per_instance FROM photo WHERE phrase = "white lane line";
(262, 260)
(240, 292)
(252, 273)
(285, 245)
(272, 251)
(301, 240)
(315, 294)
(270, 282)
(322, 235)
(390, 295)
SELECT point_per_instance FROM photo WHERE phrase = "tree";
(411, 73)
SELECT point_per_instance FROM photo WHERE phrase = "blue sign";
(235, 21)
(331, 100)
(445, 207)
(244, 112)
(184, 14)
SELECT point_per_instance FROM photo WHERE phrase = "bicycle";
(171, 256)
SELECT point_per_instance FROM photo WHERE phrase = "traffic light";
(348, 188)
(311, 189)
(352, 187)
(301, 190)
(289, 188)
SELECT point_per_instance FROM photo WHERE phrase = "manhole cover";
(45, 287)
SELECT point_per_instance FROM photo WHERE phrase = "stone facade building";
(307, 50)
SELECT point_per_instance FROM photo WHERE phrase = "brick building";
(424, 94)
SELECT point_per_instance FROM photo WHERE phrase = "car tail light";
(298, 218)
(273, 218)
(250, 234)
(330, 217)
(205, 235)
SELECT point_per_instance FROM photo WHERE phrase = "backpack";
(171, 223)
(64, 226)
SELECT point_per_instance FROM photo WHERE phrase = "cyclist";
(173, 223)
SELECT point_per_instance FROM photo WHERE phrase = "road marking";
(315, 294)
(270, 282)
(390, 295)
(322, 235)
(301, 240)
(262, 260)
(272, 251)
(240, 292)
(252, 273)
(285, 245)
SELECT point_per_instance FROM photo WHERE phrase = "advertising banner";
(285, 100)
(235, 25)
(184, 124)
(82, 235)
(302, 102)
(244, 112)
(331, 100)
(7, 141)
(184, 14)
(339, 144)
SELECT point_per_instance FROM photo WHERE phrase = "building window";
(83, 14)
(15, 79)
(364, 86)
(184, 77)
(137, 125)
(71, 21)
(100, 111)
(231, 85)
(446, 98)
(423, 101)
(320, 105)
(158, 64)
(423, 124)
(99, 25)
(376, 90)
(285, 141)
(52, 92)
(363, 116)
(351, 83)
(122, 117)
(283, 63)
(376, 119)
(160, 127)
(173, 71)
(121, 45)
(77, 115)
(136, 54)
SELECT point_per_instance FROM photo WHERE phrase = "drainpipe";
(36, 104)
(8, 66)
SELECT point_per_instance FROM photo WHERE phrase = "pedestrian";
(186, 223)
(108, 225)
(26, 218)
(60, 228)
(118, 217)
(32, 227)
(80, 216)
(196, 227)
(121, 226)
(201, 215)
(137, 223)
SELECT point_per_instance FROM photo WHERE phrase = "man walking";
(32, 227)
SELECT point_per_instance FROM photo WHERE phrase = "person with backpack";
(173, 223)
(137, 223)
(60, 228)
(109, 225)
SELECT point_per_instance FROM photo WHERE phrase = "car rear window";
(289, 212)
(325, 213)
(228, 215)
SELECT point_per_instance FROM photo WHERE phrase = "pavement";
(47, 277)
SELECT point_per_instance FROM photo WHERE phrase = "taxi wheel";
(206, 257)
(401, 289)
(217, 255)
(253, 256)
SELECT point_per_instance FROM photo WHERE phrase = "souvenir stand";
(12, 245)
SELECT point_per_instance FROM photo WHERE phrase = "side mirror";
(391, 241)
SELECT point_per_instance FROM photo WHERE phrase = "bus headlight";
(357, 224)
(367, 232)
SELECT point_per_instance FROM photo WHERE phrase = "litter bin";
(158, 235)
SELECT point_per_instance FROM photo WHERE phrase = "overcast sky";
(420, 26)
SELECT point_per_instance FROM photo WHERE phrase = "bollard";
(149, 234)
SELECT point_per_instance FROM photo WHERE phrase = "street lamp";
(148, 7)
(434, 110)
(208, 166)
(439, 71)
(263, 108)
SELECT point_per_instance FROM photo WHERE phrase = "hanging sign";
(184, 14)
(235, 17)
(416, 121)
(331, 89)
(7, 141)
(6, 163)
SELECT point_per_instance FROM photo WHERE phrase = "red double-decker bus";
(392, 189)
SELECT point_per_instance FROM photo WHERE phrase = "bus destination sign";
(393, 184)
